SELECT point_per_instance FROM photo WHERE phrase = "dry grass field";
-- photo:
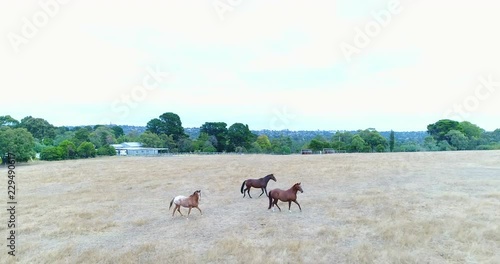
(441, 207)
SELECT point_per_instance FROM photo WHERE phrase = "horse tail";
(243, 185)
(171, 203)
(270, 200)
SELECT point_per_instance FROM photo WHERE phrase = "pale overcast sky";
(299, 65)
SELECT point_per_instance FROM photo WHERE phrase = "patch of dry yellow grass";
(356, 208)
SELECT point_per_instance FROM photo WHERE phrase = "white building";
(136, 149)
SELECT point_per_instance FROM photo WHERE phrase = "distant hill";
(308, 135)
(137, 129)
(297, 136)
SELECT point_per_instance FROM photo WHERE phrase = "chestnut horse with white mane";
(188, 202)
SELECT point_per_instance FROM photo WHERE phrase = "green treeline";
(443, 135)
(32, 136)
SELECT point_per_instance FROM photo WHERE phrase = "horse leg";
(265, 189)
(249, 192)
(262, 192)
(244, 192)
(189, 211)
(199, 209)
(276, 203)
(289, 204)
(179, 209)
(271, 202)
(298, 205)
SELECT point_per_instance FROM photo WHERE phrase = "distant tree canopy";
(118, 131)
(443, 135)
(68, 149)
(38, 127)
(368, 140)
(439, 129)
(318, 143)
(391, 141)
(82, 135)
(239, 136)
(454, 135)
(18, 141)
(169, 124)
(282, 145)
(205, 143)
(86, 150)
(213, 136)
(341, 141)
(102, 136)
(373, 139)
(217, 131)
(7, 120)
(35, 135)
(442, 127)
(264, 145)
(152, 140)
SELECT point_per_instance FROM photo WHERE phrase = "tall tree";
(239, 135)
(282, 145)
(391, 141)
(217, 130)
(358, 144)
(18, 141)
(102, 136)
(38, 127)
(118, 131)
(341, 140)
(150, 139)
(470, 130)
(169, 143)
(185, 145)
(318, 143)
(264, 143)
(495, 136)
(7, 120)
(457, 139)
(68, 149)
(168, 124)
(68, 135)
(86, 150)
(156, 126)
(81, 135)
(430, 144)
(52, 153)
(439, 129)
(375, 141)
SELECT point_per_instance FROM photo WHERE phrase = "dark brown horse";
(256, 183)
(289, 196)
(189, 202)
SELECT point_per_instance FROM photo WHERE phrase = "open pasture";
(440, 207)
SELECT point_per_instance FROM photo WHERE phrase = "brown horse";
(256, 183)
(289, 196)
(189, 202)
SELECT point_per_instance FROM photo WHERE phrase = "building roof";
(127, 145)
(133, 146)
